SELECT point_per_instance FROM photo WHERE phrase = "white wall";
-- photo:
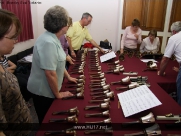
(106, 23)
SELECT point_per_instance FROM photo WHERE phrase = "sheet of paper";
(137, 100)
(29, 58)
(146, 60)
(107, 56)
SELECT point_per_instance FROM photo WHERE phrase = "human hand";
(102, 51)
(72, 79)
(70, 60)
(158, 73)
(65, 94)
(73, 54)
(176, 69)
(136, 36)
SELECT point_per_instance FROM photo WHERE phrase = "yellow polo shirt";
(77, 34)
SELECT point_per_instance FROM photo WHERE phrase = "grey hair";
(86, 15)
(55, 19)
(176, 26)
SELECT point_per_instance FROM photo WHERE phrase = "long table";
(158, 84)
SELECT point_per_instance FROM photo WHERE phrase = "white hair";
(176, 26)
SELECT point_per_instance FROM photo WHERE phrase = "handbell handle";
(91, 107)
(117, 82)
(121, 88)
(50, 133)
(59, 112)
(58, 120)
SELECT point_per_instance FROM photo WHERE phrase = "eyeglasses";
(12, 38)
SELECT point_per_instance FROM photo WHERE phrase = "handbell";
(124, 81)
(130, 86)
(72, 111)
(115, 71)
(70, 132)
(108, 131)
(97, 85)
(77, 96)
(102, 114)
(101, 88)
(98, 101)
(70, 119)
(107, 95)
(75, 85)
(101, 106)
(77, 72)
(98, 93)
(98, 77)
(114, 63)
(103, 121)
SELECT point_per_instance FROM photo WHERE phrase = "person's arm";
(158, 45)
(96, 45)
(122, 41)
(163, 65)
(71, 79)
(53, 83)
(72, 53)
(142, 46)
(12, 66)
(69, 59)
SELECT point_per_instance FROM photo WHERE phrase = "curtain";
(22, 9)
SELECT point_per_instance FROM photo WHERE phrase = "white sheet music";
(136, 100)
(107, 56)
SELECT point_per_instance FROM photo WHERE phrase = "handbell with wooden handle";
(98, 77)
(98, 93)
(98, 101)
(97, 85)
(70, 119)
(107, 95)
(102, 106)
(101, 88)
(150, 131)
(97, 80)
(77, 96)
(103, 121)
(102, 114)
(77, 72)
(72, 111)
(114, 63)
(115, 71)
(67, 132)
(124, 81)
(130, 86)
(75, 85)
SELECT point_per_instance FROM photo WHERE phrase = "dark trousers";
(42, 104)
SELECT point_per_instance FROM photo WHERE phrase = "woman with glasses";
(150, 43)
(12, 105)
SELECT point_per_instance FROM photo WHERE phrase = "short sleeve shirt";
(77, 34)
(48, 54)
(174, 47)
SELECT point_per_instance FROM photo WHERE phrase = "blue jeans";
(179, 87)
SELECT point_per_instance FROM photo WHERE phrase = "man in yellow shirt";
(78, 32)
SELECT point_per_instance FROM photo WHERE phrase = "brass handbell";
(102, 114)
(98, 77)
(97, 80)
(151, 131)
(81, 77)
(101, 88)
(75, 85)
(124, 81)
(108, 131)
(103, 121)
(77, 96)
(70, 119)
(98, 101)
(67, 132)
(101, 106)
(72, 111)
(114, 63)
(98, 93)
(145, 119)
(115, 71)
(130, 86)
(97, 85)
(151, 66)
(107, 95)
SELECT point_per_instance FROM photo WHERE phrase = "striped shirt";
(4, 62)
